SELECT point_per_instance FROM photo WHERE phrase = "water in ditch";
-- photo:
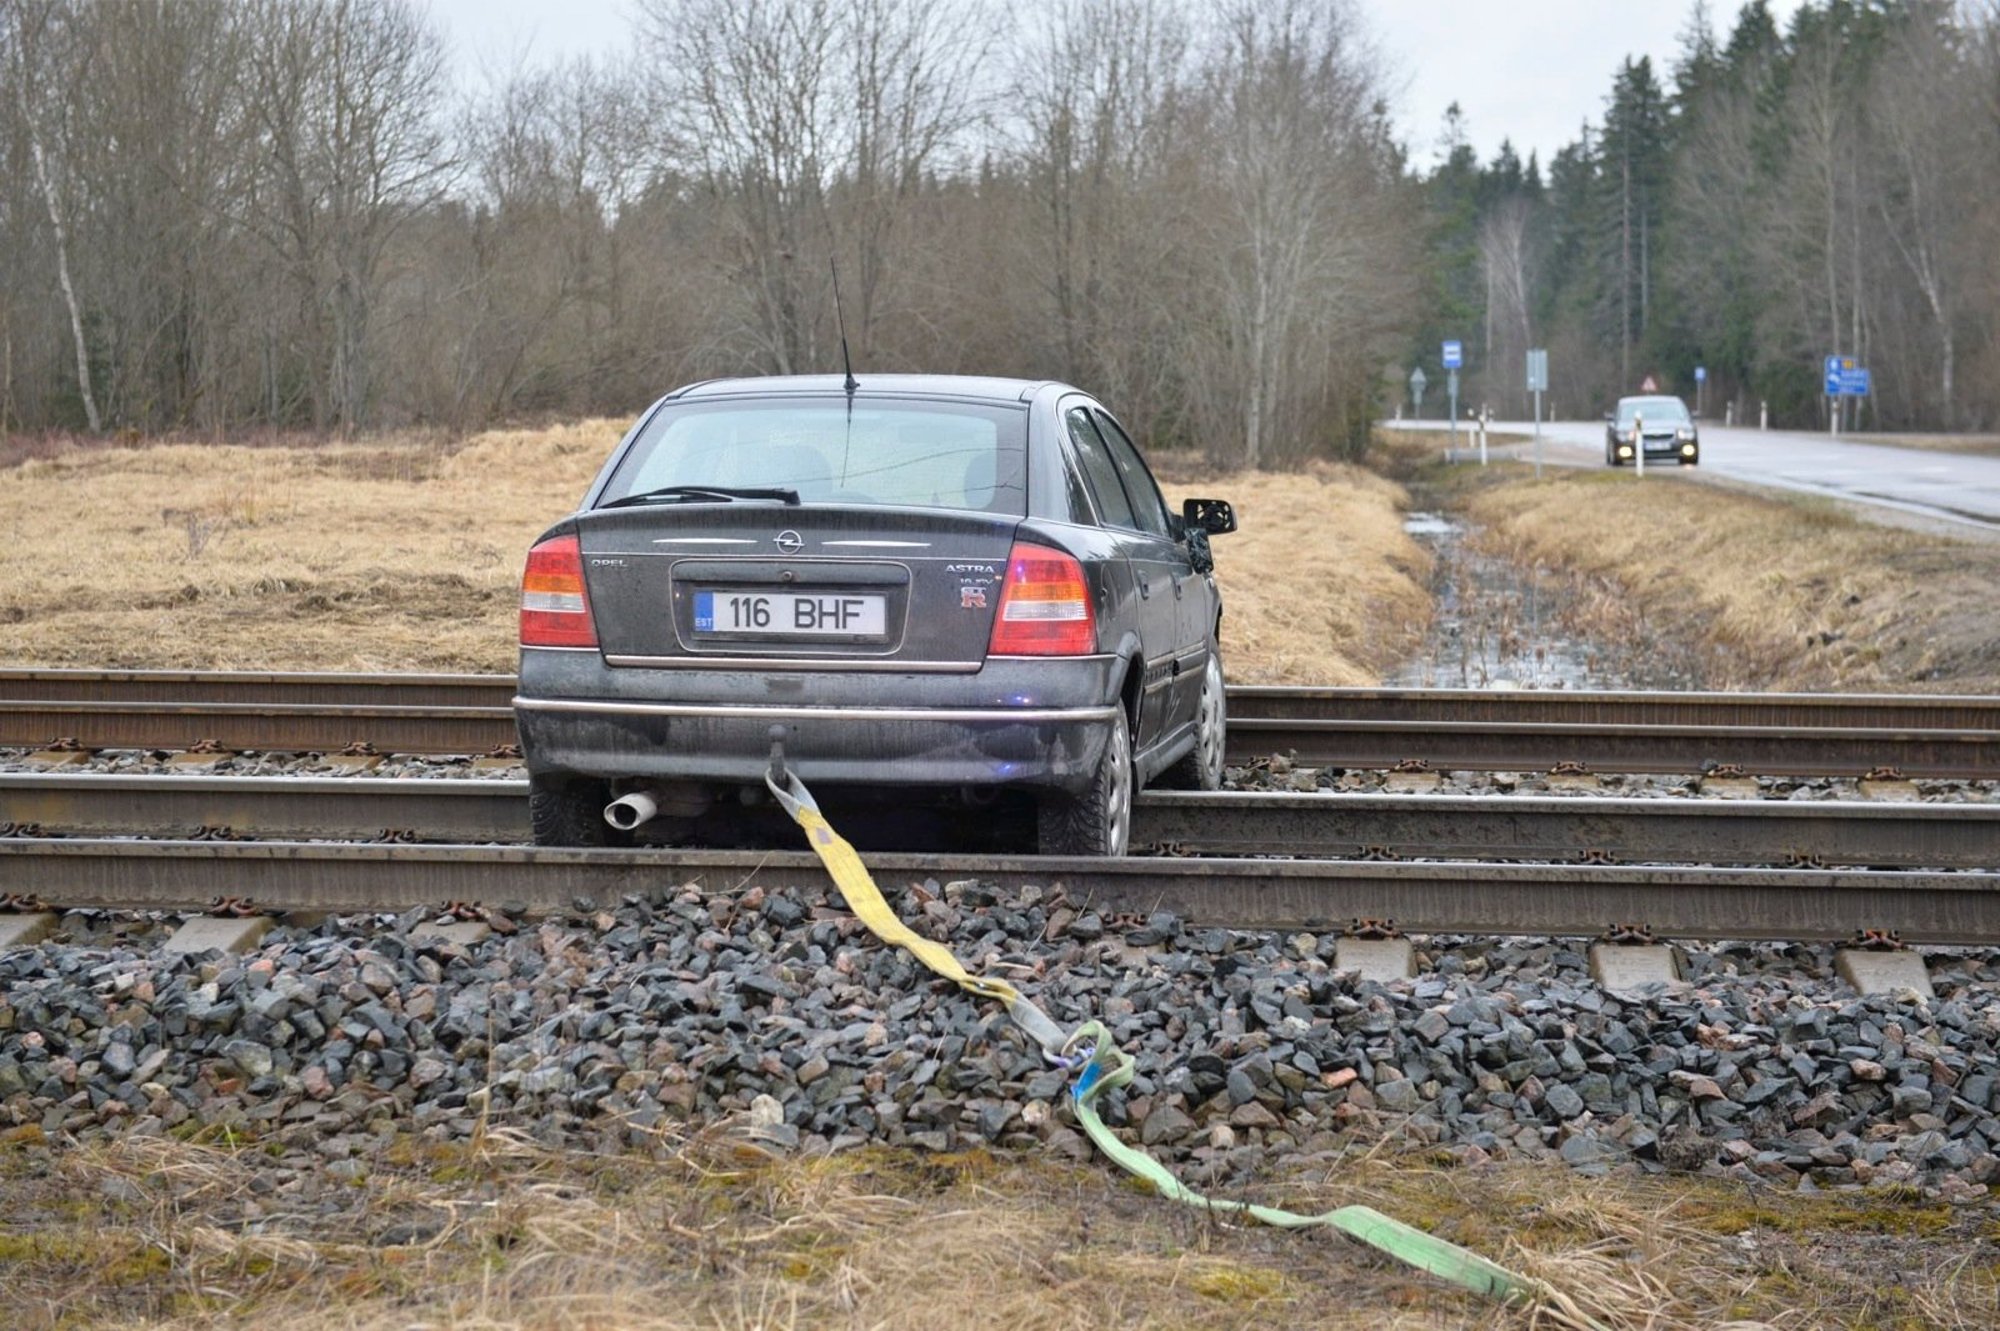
(1500, 625)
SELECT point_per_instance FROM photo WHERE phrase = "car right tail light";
(1045, 607)
(555, 609)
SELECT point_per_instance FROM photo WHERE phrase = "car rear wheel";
(1200, 768)
(1098, 822)
(568, 812)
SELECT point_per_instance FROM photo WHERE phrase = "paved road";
(1962, 489)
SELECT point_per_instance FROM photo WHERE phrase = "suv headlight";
(1684, 433)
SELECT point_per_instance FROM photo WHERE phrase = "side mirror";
(1213, 516)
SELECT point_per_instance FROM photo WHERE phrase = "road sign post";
(1538, 383)
(1844, 379)
(1417, 382)
(1451, 386)
(1453, 355)
(1700, 383)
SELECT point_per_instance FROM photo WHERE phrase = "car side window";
(1075, 491)
(1147, 505)
(1100, 471)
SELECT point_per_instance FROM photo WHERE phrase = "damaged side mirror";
(1211, 516)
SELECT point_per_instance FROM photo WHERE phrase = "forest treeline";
(220, 215)
(1831, 187)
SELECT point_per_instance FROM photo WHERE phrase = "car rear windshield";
(874, 451)
(1653, 410)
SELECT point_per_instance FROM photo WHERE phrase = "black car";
(951, 589)
(1666, 432)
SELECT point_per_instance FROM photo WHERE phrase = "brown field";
(404, 554)
(499, 1235)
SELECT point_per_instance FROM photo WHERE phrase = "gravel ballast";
(778, 1013)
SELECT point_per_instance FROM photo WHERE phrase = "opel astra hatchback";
(942, 590)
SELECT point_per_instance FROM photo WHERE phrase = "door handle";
(1145, 587)
(1180, 586)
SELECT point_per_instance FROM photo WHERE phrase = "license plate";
(791, 614)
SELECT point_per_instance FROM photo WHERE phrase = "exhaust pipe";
(629, 811)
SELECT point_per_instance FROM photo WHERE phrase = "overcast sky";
(1529, 70)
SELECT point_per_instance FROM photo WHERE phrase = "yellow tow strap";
(1101, 1066)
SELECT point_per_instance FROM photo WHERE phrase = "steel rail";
(290, 687)
(1505, 899)
(1516, 827)
(1513, 827)
(1863, 711)
(1266, 701)
(1539, 746)
(1779, 734)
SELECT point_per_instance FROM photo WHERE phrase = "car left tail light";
(555, 608)
(1045, 607)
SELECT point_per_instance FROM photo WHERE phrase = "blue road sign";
(1454, 355)
(1701, 374)
(1846, 379)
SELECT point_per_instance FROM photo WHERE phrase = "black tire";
(1200, 768)
(568, 812)
(1099, 822)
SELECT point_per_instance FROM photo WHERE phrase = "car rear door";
(1193, 593)
(1148, 556)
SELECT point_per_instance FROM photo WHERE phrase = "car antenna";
(841, 320)
(847, 440)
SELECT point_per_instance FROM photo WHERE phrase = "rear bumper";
(1038, 724)
(1050, 747)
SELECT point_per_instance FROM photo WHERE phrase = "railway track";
(1954, 898)
(1495, 899)
(1821, 834)
(1686, 868)
(1773, 734)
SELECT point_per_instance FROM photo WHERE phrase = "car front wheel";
(1201, 767)
(1098, 822)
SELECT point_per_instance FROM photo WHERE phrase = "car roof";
(1653, 397)
(977, 387)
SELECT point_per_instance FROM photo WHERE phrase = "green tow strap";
(1108, 1066)
(1105, 1066)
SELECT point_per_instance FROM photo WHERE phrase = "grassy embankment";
(1780, 591)
(709, 1234)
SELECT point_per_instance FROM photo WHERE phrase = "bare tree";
(1099, 92)
(913, 68)
(1504, 255)
(1288, 100)
(750, 104)
(1928, 152)
(345, 102)
(33, 34)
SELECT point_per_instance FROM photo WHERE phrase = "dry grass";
(395, 554)
(1321, 584)
(1787, 593)
(707, 1233)
(404, 554)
